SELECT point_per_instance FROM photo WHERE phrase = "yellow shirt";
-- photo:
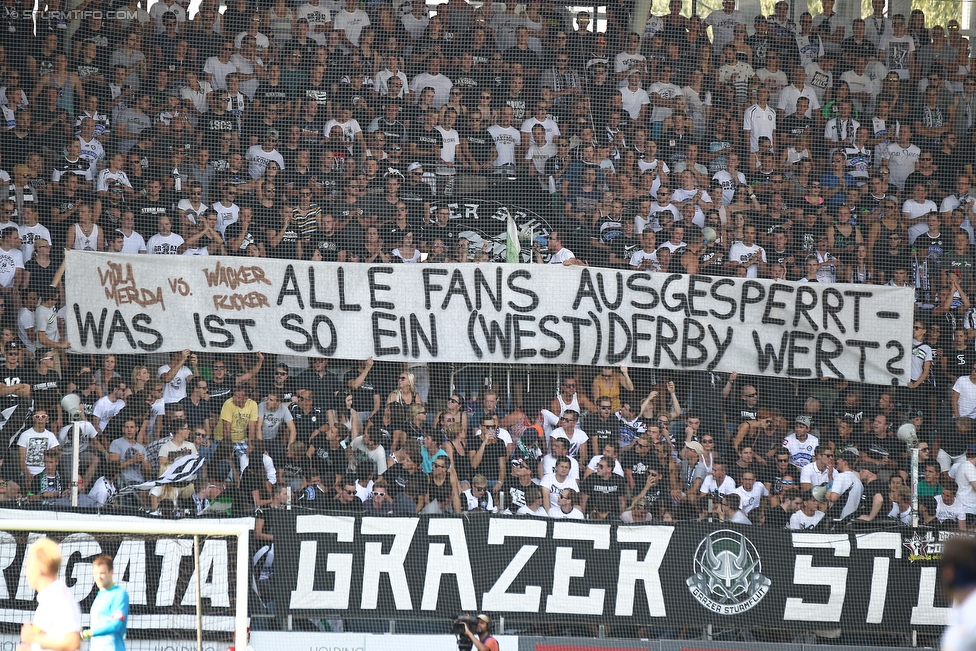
(239, 418)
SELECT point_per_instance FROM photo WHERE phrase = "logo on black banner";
(728, 576)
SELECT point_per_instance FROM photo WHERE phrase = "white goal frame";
(145, 526)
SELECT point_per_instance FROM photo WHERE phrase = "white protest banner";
(488, 313)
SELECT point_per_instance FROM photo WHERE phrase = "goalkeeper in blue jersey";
(109, 611)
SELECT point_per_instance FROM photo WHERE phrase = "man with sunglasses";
(601, 425)
(31, 446)
(820, 472)
(604, 484)
(478, 497)
(345, 498)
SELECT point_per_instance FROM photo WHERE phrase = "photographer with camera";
(481, 638)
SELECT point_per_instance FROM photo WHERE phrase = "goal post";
(75, 527)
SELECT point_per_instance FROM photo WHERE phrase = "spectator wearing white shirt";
(567, 507)
(845, 482)
(349, 22)
(789, 95)
(634, 99)
(666, 95)
(801, 443)
(901, 157)
(218, 67)
(809, 515)
(747, 253)
(948, 507)
(864, 89)
(318, 17)
(723, 24)
(540, 117)
(559, 254)
(554, 483)
(261, 41)
(630, 59)
(818, 473)
(751, 493)
(718, 482)
(433, 78)
(839, 131)
(109, 405)
(610, 455)
(964, 474)
(729, 509)
(760, 119)
(901, 504)
(535, 503)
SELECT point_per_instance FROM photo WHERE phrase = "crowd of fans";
(328, 131)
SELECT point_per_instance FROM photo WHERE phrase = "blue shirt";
(109, 618)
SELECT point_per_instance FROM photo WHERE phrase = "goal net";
(186, 580)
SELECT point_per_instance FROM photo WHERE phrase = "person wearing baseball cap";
(801, 443)
(481, 637)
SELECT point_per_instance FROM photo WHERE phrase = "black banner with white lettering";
(156, 571)
(688, 574)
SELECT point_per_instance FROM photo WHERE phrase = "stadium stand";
(820, 151)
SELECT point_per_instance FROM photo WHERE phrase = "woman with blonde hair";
(414, 426)
(140, 375)
(400, 400)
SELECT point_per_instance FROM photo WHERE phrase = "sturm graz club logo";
(728, 576)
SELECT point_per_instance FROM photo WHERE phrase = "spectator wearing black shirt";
(605, 484)
(326, 244)
(310, 420)
(390, 124)
(323, 457)
(744, 407)
(324, 385)
(197, 404)
(637, 462)
(45, 384)
(405, 466)
(345, 498)
(254, 478)
(514, 487)
(778, 516)
(877, 447)
(440, 227)
(601, 426)
(623, 246)
(489, 455)
(874, 497)
(478, 151)
(364, 383)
